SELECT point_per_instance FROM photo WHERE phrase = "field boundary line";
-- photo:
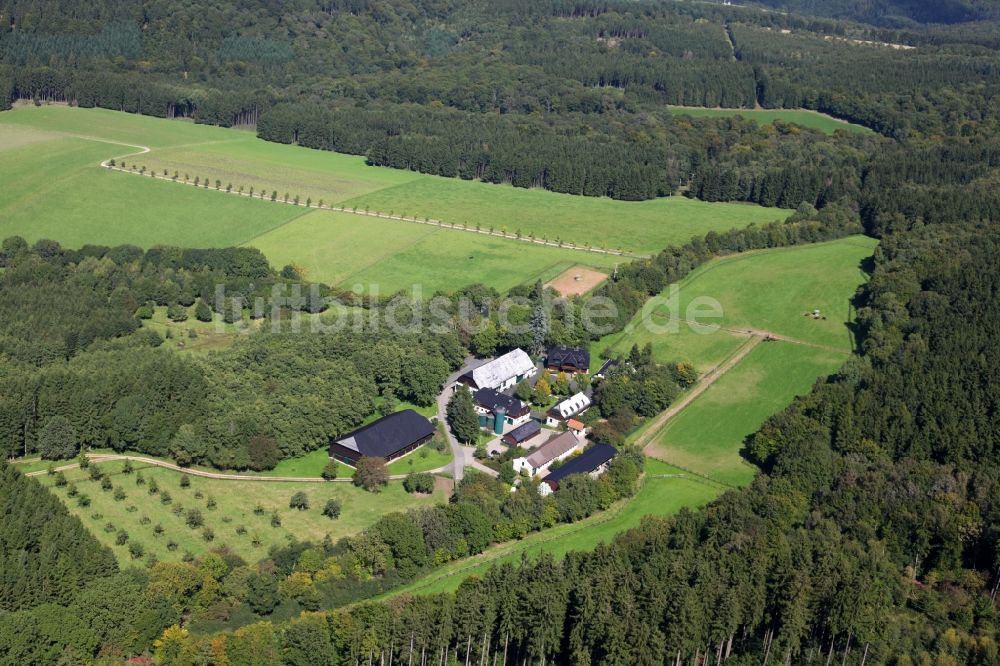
(353, 210)
(712, 376)
(221, 476)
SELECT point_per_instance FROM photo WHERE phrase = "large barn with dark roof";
(388, 438)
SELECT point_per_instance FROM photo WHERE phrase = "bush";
(83, 500)
(71, 490)
(330, 470)
(332, 509)
(211, 504)
(422, 482)
(194, 519)
(158, 530)
(185, 481)
(119, 494)
(275, 520)
(165, 498)
(299, 501)
(60, 480)
(109, 527)
(106, 483)
(263, 453)
(171, 545)
(121, 537)
(371, 474)
(96, 474)
(177, 313)
(127, 468)
(135, 550)
(208, 534)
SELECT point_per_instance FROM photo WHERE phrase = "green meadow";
(636, 226)
(75, 202)
(235, 504)
(805, 118)
(770, 290)
(664, 492)
(707, 436)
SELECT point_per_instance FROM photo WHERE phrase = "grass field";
(658, 496)
(636, 226)
(83, 204)
(707, 436)
(236, 501)
(811, 119)
(766, 290)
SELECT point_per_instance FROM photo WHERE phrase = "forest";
(871, 533)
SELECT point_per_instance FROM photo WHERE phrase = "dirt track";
(107, 457)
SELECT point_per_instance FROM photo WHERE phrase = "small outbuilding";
(390, 437)
(523, 433)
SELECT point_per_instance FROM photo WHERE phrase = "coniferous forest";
(871, 533)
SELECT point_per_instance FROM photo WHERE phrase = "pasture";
(237, 157)
(766, 290)
(661, 494)
(236, 504)
(811, 119)
(707, 436)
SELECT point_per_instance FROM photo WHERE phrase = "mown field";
(708, 435)
(636, 226)
(811, 119)
(237, 157)
(236, 501)
(663, 493)
(768, 290)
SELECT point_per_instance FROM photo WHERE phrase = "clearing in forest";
(810, 119)
(763, 293)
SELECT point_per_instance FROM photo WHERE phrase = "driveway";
(462, 454)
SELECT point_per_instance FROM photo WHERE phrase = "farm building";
(523, 433)
(567, 359)
(594, 461)
(501, 373)
(388, 438)
(557, 448)
(508, 409)
(568, 408)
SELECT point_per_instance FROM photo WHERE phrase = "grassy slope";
(658, 496)
(707, 436)
(769, 290)
(811, 119)
(237, 157)
(340, 248)
(236, 501)
(52, 188)
(640, 226)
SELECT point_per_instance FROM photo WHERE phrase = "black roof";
(525, 431)
(584, 463)
(493, 400)
(389, 434)
(574, 356)
(610, 363)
